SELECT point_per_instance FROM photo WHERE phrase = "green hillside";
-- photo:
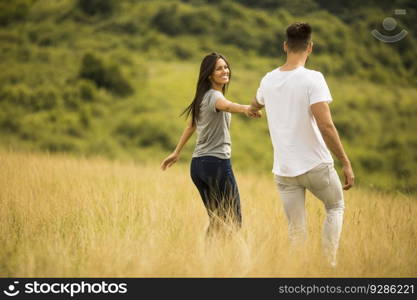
(110, 78)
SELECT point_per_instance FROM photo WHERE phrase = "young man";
(300, 125)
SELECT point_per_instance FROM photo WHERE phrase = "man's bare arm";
(255, 104)
(321, 113)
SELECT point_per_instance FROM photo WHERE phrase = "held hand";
(253, 112)
(349, 177)
(169, 161)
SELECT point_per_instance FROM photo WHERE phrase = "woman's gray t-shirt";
(213, 136)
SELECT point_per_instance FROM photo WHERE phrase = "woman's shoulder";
(209, 95)
(212, 93)
(210, 98)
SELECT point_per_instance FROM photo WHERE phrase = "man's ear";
(285, 47)
(310, 47)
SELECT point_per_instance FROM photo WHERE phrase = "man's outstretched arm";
(321, 113)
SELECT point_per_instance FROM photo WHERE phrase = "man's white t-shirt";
(297, 141)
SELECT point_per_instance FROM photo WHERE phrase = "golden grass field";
(89, 217)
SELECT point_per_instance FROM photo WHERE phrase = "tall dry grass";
(75, 217)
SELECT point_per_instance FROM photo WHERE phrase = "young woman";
(211, 169)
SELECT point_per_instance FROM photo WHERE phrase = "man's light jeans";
(323, 182)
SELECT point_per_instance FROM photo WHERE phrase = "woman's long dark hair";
(203, 85)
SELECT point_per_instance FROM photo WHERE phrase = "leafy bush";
(41, 98)
(201, 21)
(10, 118)
(87, 91)
(93, 7)
(297, 7)
(108, 77)
(372, 162)
(60, 144)
(145, 133)
(16, 10)
(168, 20)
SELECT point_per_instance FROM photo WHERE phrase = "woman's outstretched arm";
(229, 106)
(173, 157)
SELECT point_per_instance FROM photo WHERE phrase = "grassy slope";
(42, 56)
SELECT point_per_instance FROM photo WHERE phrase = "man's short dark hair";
(298, 36)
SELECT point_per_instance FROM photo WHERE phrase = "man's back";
(287, 96)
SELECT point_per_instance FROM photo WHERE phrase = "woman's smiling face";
(221, 73)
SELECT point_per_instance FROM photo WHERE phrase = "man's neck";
(294, 60)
